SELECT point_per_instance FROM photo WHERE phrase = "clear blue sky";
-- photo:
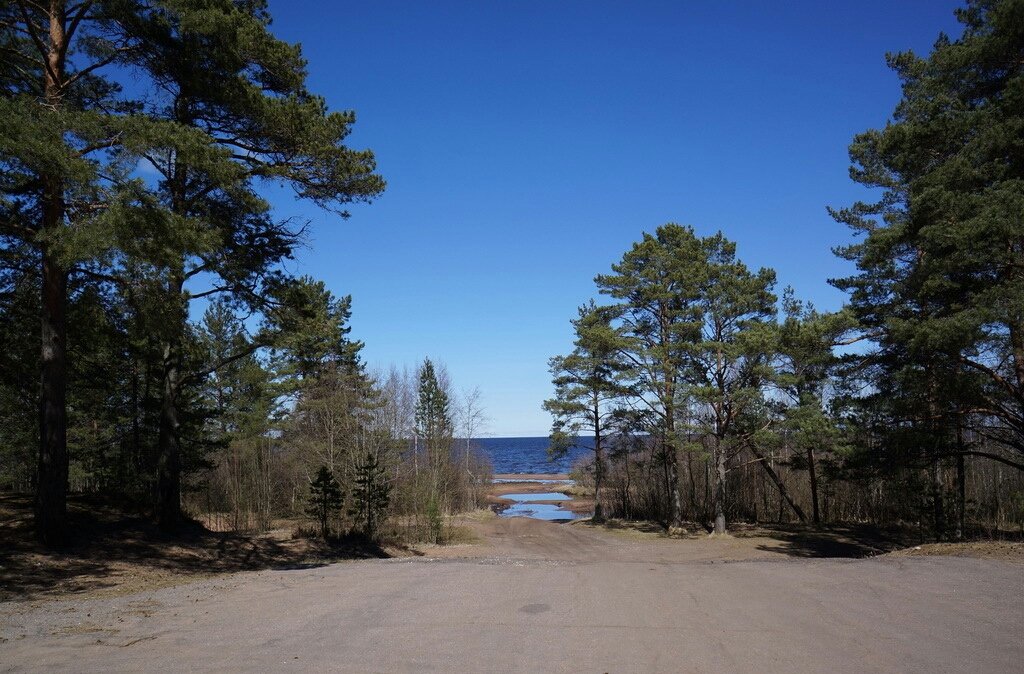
(526, 145)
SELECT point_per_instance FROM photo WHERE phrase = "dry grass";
(461, 535)
(1007, 551)
(480, 515)
(114, 551)
(574, 490)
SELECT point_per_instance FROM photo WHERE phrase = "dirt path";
(522, 538)
(539, 597)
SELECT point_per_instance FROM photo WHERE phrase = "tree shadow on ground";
(642, 526)
(849, 541)
(112, 548)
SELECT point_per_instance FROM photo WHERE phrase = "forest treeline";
(153, 345)
(710, 398)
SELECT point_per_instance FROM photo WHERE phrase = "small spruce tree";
(325, 498)
(371, 495)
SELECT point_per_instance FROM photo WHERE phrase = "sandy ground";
(541, 597)
(934, 614)
(523, 596)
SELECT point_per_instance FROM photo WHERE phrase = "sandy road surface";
(545, 597)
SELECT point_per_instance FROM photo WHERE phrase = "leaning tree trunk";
(779, 484)
(812, 472)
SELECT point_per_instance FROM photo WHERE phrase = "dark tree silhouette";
(325, 498)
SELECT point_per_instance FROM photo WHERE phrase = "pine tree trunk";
(961, 482)
(719, 497)
(1017, 347)
(136, 454)
(961, 490)
(169, 461)
(169, 444)
(669, 404)
(719, 454)
(51, 493)
(938, 508)
(598, 475)
(672, 459)
(168, 497)
(709, 500)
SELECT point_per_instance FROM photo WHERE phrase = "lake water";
(530, 455)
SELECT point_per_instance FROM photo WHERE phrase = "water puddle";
(526, 505)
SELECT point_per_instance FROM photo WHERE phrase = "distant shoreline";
(531, 476)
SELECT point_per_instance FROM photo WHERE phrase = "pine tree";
(696, 328)
(229, 110)
(335, 400)
(235, 103)
(370, 495)
(245, 405)
(940, 286)
(728, 364)
(57, 200)
(805, 369)
(325, 499)
(656, 315)
(434, 424)
(588, 382)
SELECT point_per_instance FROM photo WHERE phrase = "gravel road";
(630, 610)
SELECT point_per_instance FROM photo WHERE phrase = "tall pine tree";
(940, 282)
(239, 111)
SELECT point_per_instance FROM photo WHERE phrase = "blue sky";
(526, 145)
